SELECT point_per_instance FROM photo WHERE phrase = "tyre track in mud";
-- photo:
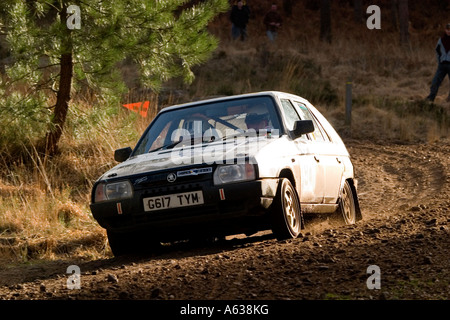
(404, 194)
(399, 176)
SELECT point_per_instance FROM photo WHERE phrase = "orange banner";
(139, 107)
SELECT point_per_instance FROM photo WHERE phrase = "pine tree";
(50, 54)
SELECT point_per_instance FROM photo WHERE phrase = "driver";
(257, 117)
(256, 121)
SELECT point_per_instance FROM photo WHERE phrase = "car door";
(328, 160)
(311, 175)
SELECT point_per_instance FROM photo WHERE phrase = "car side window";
(319, 133)
(290, 114)
(322, 130)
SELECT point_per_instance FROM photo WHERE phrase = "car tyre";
(286, 214)
(346, 212)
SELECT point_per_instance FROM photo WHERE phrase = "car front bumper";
(227, 209)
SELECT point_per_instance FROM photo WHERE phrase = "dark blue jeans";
(237, 32)
(442, 70)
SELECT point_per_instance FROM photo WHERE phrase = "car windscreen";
(209, 122)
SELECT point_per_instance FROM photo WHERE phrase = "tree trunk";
(325, 21)
(63, 96)
(404, 21)
(62, 104)
(394, 14)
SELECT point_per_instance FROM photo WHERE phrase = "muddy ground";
(404, 192)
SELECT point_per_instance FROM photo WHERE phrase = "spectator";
(240, 14)
(273, 22)
(443, 58)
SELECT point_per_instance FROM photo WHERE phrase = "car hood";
(201, 154)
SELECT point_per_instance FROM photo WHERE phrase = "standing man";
(273, 22)
(443, 57)
(240, 14)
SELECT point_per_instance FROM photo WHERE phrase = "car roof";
(274, 94)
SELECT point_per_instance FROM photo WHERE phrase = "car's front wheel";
(286, 215)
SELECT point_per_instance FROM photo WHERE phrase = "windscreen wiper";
(167, 146)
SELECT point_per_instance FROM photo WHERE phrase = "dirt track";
(404, 192)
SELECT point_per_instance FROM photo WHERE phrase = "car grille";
(159, 180)
(163, 190)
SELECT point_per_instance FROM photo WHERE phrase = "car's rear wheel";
(286, 215)
(131, 243)
(346, 212)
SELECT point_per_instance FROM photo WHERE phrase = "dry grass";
(37, 226)
(389, 81)
(44, 202)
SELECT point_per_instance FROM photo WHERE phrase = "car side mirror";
(120, 155)
(301, 127)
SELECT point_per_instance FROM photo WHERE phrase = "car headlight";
(113, 191)
(234, 173)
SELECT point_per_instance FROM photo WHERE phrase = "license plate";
(171, 201)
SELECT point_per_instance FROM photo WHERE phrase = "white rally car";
(237, 164)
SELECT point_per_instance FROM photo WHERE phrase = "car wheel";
(131, 243)
(346, 212)
(286, 215)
